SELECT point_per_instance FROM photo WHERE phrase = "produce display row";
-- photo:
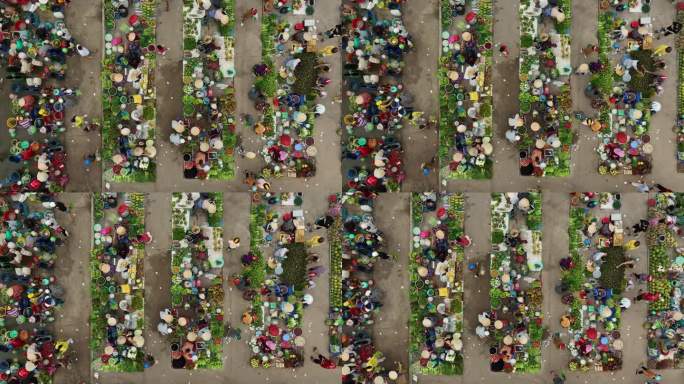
(593, 282)
(128, 91)
(358, 245)
(436, 293)
(623, 88)
(465, 84)
(207, 131)
(275, 278)
(117, 271)
(513, 326)
(32, 293)
(543, 130)
(665, 322)
(194, 323)
(373, 50)
(34, 50)
(679, 46)
(289, 81)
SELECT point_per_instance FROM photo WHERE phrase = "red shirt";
(328, 364)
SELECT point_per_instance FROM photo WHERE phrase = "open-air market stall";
(194, 323)
(129, 95)
(207, 131)
(357, 246)
(625, 82)
(513, 326)
(543, 130)
(593, 282)
(117, 268)
(465, 84)
(34, 49)
(32, 294)
(289, 83)
(373, 51)
(275, 278)
(666, 265)
(436, 293)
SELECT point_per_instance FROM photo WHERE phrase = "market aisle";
(634, 208)
(169, 82)
(390, 332)
(476, 300)
(247, 54)
(555, 210)
(84, 21)
(505, 84)
(420, 78)
(73, 273)
(157, 279)
(584, 157)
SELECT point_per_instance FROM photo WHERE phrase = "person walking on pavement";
(334, 31)
(647, 296)
(649, 373)
(321, 360)
(252, 13)
(558, 378)
(82, 51)
(632, 245)
(504, 50)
